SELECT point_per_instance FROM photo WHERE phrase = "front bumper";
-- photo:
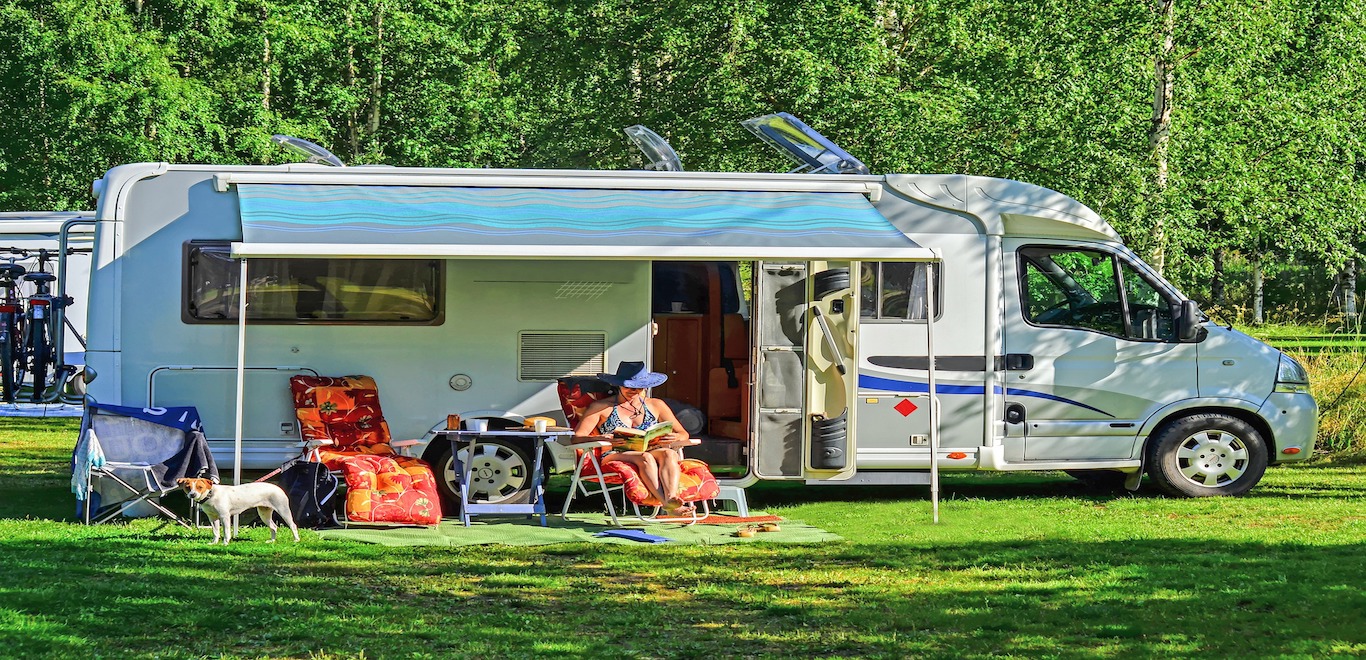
(1294, 422)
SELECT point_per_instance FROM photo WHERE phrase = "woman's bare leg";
(647, 468)
(669, 473)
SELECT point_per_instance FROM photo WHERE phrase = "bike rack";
(57, 318)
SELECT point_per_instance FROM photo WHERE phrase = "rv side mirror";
(1188, 321)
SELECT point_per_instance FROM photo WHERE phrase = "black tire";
(7, 375)
(42, 359)
(1206, 455)
(1099, 479)
(14, 366)
(500, 466)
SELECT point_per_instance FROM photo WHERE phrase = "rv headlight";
(1290, 376)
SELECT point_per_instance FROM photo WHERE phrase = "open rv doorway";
(806, 333)
(701, 312)
(761, 359)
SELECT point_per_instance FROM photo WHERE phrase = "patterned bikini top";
(614, 421)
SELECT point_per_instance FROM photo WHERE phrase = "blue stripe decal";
(891, 385)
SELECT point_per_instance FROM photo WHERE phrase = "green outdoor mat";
(517, 530)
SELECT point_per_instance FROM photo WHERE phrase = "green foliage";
(1266, 156)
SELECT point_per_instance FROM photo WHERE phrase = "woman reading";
(658, 465)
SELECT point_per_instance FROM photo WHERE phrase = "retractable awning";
(293, 220)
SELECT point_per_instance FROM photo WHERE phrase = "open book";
(641, 439)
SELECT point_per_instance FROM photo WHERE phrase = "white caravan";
(30, 231)
(789, 309)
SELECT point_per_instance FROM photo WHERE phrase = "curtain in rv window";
(380, 291)
(896, 291)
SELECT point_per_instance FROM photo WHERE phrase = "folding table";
(464, 470)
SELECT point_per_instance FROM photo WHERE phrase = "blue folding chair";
(126, 458)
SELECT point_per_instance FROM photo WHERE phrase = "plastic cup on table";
(540, 425)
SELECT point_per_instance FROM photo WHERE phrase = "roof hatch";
(813, 152)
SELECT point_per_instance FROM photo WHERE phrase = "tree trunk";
(1218, 291)
(377, 76)
(1159, 132)
(47, 140)
(1257, 282)
(1347, 283)
(349, 80)
(265, 58)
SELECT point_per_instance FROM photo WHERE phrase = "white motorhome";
(793, 310)
(24, 233)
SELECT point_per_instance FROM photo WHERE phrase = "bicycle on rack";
(47, 369)
(13, 357)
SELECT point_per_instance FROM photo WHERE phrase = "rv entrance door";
(806, 318)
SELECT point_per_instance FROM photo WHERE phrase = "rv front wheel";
(500, 473)
(1206, 455)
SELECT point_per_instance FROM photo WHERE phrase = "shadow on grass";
(162, 593)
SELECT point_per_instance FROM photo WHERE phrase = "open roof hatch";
(661, 156)
(315, 153)
(813, 152)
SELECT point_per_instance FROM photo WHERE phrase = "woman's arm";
(664, 414)
(587, 428)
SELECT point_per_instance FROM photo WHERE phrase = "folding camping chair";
(696, 483)
(127, 458)
(343, 427)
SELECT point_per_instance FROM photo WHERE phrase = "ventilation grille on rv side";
(552, 355)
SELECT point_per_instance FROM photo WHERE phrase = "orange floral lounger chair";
(341, 417)
(695, 483)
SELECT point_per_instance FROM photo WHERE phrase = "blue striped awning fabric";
(555, 218)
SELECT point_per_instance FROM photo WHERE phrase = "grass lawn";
(1026, 566)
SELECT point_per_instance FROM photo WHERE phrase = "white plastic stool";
(734, 494)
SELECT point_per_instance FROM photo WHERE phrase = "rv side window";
(1082, 289)
(895, 290)
(380, 291)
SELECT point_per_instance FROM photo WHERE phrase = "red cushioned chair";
(340, 420)
(696, 483)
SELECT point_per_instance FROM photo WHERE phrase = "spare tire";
(691, 417)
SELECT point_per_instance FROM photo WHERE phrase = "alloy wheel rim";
(496, 473)
(1211, 458)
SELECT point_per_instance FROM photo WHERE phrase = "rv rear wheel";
(500, 474)
(1206, 455)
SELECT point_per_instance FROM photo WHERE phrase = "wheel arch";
(1236, 408)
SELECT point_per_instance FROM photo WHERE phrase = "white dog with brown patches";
(221, 503)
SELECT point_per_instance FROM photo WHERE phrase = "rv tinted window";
(894, 290)
(385, 291)
(1081, 289)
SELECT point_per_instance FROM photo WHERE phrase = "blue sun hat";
(633, 375)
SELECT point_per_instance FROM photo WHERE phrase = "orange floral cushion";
(382, 486)
(387, 488)
(695, 481)
(344, 410)
(576, 394)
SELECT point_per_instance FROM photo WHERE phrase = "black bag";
(312, 491)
